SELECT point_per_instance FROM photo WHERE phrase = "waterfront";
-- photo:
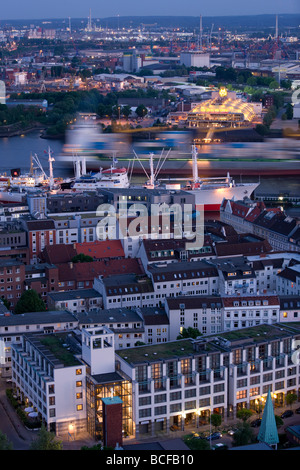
(15, 153)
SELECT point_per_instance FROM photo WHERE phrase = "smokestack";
(200, 34)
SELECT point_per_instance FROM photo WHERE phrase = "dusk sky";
(35, 9)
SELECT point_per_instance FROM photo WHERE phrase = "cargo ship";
(269, 157)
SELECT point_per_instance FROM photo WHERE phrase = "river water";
(15, 153)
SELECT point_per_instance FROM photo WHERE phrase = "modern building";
(66, 376)
(12, 327)
(224, 110)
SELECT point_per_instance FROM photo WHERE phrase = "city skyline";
(36, 10)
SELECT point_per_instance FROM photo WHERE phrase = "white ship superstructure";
(210, 192)
(110, 178)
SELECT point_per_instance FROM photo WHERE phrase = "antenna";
(200, 35)
(276, 28)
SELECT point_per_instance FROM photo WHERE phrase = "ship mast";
(50, 160)
(195, 164)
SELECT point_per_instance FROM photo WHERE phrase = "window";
(78, 371)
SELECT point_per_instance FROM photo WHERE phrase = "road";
(11, 425)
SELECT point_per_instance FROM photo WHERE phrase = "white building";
(2, 92)
(12, 327)
(288, 281)
(195, 59)
(52, 382)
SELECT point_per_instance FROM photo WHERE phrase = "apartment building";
(184, 278)
(52, 379)
(174, 383)
(39, 234)
(127, 290)
(203, 312)
(281, 231)
(236, 275)
(261, 358)
(246, 311)
(126, 324)
(288, 280)
(13, 327)
(80, 300)
(12, 277)
(289, 308)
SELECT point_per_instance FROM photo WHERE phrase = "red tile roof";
(101, 249)
(272, 300)
(88, 271)
(54, 254)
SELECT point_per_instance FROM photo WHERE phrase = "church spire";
(268, 429)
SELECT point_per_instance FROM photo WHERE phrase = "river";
(15, 153)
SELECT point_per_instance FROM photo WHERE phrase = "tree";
(290, 398)
(30, 301)
(126, 111)
(5, 444)
(189, 333)
(45, 441)
(244, 414)
(289, 111)
(274, 85)
(82, 258)
(244, 434)
(141, 110)
(216, 420)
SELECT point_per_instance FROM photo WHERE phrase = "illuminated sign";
(222, 92)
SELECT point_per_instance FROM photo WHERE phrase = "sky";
(37, 9)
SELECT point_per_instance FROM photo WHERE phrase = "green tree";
(5, 444)
(274, 85)
(126, 111)
(289, 111)
(244, 434)
(82, 258)
(290, 398)
(141, 110)
(244, 414)
(189, 333)
(278, 420)
(216, 420)
(46, 441)
(30, 301)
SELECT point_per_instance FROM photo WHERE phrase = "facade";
(203, 312)
(224, 110)
(52, 379)
(288, 280)
(75, 300)
(289, 308)
(281, 231)
(174, 384)
(177, 383)
(12, 278)
(12, 327)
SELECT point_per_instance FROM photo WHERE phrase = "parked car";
(174, 427)
(231, 432)
(297, 411)
(219, 446)
(287, 414)
(256, 423)
(213, 436)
